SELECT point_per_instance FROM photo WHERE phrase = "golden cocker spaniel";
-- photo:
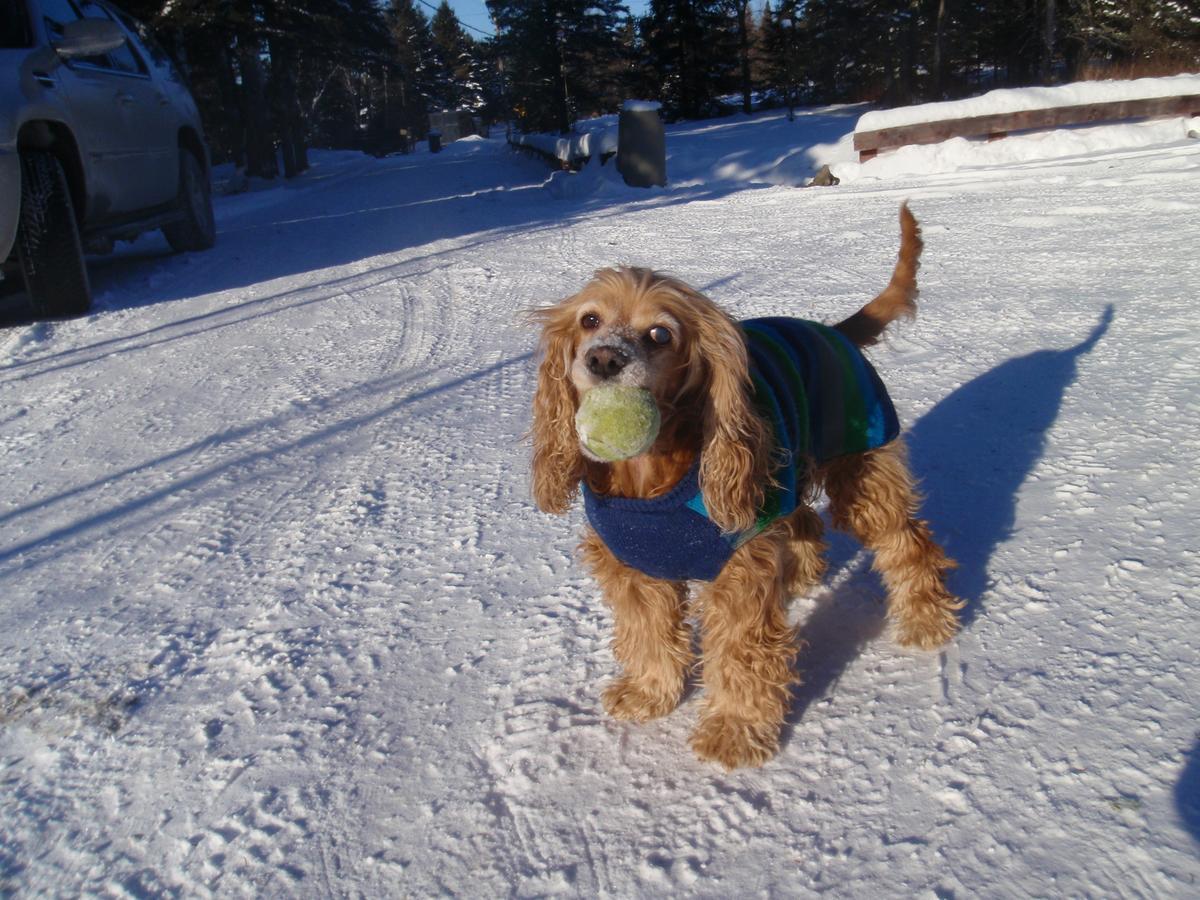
(757, 418)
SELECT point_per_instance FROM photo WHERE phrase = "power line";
(460, 22)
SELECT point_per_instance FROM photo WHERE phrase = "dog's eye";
(659, 335)
(590, 322)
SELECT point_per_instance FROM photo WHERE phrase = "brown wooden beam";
(1026, 120)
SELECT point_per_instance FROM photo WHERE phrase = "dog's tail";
(899, 298)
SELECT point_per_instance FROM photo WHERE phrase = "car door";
(149, 121)
(113, 106)
(84, 104)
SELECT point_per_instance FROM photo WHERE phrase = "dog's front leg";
(652, 641)
(748, 652)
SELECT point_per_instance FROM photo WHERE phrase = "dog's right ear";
(558, 464)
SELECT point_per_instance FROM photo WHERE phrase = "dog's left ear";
(558, 463)
(735, 457)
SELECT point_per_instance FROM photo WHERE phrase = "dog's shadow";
(1187, 792)
(971, 452)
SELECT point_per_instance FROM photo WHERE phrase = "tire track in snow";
(259, 526)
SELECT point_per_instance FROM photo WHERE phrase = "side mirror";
(89, 37)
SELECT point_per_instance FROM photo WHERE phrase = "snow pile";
(594, 180)
(588, 137)
(767, 148)
(1010, 100)
(591, 137)
(968, 154)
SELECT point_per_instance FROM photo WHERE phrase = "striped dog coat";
(823, 400)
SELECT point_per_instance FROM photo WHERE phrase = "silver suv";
(99, 141)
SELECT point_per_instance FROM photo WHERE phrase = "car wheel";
(48, 247)
(197, 230)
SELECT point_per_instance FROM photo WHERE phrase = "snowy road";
(277, 617)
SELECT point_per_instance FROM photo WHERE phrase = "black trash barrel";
(435, 142)
(641, 144)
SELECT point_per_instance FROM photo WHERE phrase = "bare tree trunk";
(287, 107)
(235, 130)
(743, 10)
(260, 144)
(939, 52)
(562, 97)
(906, 88)
(1049, 26)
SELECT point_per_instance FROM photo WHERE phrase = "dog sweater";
(823, 400)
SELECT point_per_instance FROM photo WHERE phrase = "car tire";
(197, 230)
(48, 247)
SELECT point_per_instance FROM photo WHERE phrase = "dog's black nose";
(605, 362)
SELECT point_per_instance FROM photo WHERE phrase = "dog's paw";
(930, 625)
(734, 742)
(625, 699)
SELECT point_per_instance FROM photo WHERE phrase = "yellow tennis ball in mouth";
(617, 422)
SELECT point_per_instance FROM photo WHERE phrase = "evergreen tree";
(784, 40)
(259, 69)
(560, 57)
(271, 77)
(692, 48)
(746, 40)
(595, 57)
(1132, 34)
(492, 91)
(454, 76)
(411, 85)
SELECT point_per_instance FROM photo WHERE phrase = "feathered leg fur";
(651, 642)
(873, 496)
(749, 650)
(806, 562)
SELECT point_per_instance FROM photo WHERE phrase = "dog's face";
(633, 329)
(636, 328)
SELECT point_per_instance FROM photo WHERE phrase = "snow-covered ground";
(277, 617)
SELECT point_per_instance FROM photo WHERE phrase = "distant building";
(455, 125)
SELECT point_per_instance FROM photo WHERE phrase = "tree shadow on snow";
(462, 205)
(972, 452)
(275, 444)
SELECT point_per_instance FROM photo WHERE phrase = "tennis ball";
(617, 422)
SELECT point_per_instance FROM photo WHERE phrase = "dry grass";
(1157, 66)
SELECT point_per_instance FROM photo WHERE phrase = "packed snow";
(278, 617)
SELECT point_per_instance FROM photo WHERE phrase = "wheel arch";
(189, 140)
(55, 137)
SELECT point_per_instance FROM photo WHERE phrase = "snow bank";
(958, 154)
(767, 148)
(1010, 100)
(591, 137)
(588, 137)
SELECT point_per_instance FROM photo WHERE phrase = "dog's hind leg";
(748, 651)
(806, 543)
(873, 496)
(652, 641)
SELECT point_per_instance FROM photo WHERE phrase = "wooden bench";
(869, 143)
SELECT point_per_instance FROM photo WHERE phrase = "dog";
(723, 497)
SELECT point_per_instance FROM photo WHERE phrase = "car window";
(56, 14)
(150, 48)
(14, 25)
(123, 59)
